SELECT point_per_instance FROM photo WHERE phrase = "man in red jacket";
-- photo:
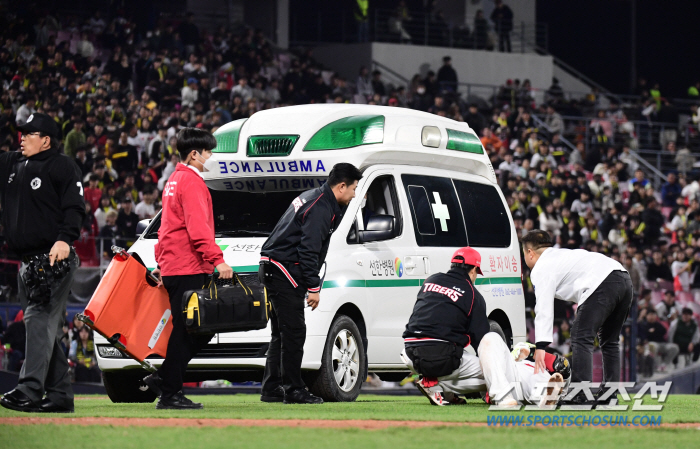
(186, 253)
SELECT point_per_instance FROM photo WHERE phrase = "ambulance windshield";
(249, 207)
(252, 207)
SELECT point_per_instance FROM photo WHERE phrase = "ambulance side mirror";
(379, 227)
(141, 226)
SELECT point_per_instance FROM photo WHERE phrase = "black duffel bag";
(232, 308)
(435, 359)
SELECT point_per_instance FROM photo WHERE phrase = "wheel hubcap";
(346, 360)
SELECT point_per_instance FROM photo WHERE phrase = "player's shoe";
(432, 391)
(553, 391)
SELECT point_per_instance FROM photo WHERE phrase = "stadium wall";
(472, 66)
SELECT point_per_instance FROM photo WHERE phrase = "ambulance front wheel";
(124, 386)
(342, 365)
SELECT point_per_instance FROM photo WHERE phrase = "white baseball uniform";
(504, 376)
(495, 370)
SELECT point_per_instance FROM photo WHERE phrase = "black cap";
(39, 122)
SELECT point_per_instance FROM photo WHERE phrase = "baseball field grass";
(101, 424)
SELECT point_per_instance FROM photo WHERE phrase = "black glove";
(39, 276)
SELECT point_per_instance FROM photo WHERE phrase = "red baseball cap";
(469, 256)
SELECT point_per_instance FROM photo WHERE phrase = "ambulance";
(428, 188)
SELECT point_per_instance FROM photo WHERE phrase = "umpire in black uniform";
(42, 212)
(289, 268)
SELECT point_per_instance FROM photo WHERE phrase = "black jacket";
(300, 239)
(448, 308)
(42, 201)
(655, 332)
(502, 18)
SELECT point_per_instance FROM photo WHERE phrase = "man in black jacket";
(449, 315)
(43, 210)
(447, 77)
(289, 268)
(502, 18)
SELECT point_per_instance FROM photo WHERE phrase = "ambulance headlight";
(430, 137)
(109, 352)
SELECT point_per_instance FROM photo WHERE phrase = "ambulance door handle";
(426, 263)
(409, 264)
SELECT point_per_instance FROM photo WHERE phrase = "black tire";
(123, 386)
(495, 327)
(323, 382)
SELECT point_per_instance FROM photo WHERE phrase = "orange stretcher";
(130, 310)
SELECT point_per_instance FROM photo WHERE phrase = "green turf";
(61, 437)
(677, 409)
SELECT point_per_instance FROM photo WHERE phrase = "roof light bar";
(348, 132)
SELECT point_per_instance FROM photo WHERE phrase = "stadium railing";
(419, 29)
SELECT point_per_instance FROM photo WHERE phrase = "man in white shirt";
(190, 93)
(508, 165)
(242, 89)
(146, 208)
(25, 111)
(582, 206)
(600, 286)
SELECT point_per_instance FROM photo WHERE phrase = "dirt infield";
(195, 422)
(308, 423)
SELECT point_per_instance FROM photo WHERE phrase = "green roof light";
(227, 137)
(348, 132)
(461, 141)
(265, 146)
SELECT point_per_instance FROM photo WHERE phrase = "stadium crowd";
(77, 343)
(120, 94)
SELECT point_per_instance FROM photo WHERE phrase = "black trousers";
(283, 365)
(182, 346)
(504, 42)
(45, 368)
(602, 314)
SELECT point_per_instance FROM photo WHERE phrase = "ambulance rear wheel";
(342, 365)
(123, 386)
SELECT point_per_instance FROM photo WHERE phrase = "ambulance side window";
(380, 199)
(151, 231)
(435, 210)
(486, 217)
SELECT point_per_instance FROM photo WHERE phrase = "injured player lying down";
(448, 317)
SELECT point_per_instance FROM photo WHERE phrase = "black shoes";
(49, 407)
(608, 401)
(20, 402)
(152, 382)
(579, 399)
(301, 396)
(276, 395)
(177, 402)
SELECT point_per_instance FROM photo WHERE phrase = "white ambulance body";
(429, 188)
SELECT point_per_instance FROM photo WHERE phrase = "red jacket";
(93, 196)
(186, 242)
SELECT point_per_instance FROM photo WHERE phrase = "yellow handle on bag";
(247, 290)
(213, 291)
(192, 305)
